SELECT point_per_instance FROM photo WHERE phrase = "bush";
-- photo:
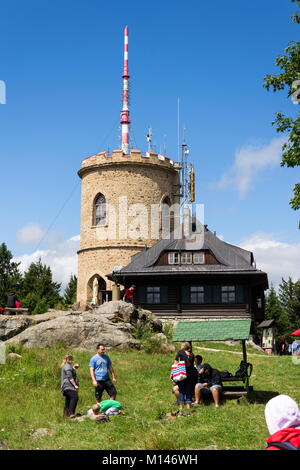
(41, 307)
(30, 301)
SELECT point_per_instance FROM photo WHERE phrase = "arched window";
(167, 217)
(100, 210)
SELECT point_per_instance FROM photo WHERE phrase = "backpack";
(225, 374)
(245, 370)
(282, 445)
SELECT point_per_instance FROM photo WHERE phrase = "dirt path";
(232, 352)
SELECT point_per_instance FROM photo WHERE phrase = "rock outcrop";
(12, 325)
(113, 324)
(78, 331)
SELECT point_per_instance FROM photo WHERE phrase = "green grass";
(30, 398)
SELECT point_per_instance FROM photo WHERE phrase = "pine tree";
(39, 288)
(71, 291)
(10, 276)
(275, 311)
(289, 296)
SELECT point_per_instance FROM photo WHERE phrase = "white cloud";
(62, 258)
(31, 234)
(249, 161)
(277, 258)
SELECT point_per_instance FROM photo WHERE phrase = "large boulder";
(12, 325)
(119, 311)
(78, 331)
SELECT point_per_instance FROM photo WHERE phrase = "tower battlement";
(135, 156)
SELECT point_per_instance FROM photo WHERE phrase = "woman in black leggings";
(69, 385)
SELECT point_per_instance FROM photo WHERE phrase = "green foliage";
(289, 79)
(143, 332)
(71, 291)
(41, 307)
(289, 295)
(275, 310)
(30, 301)
(39, 291)
(10, 276)
(284, 307)
(168, 329)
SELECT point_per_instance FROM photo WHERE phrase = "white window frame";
(173, 258)
(187, 258)
(201, 256)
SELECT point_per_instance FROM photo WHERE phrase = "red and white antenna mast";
(125, 108)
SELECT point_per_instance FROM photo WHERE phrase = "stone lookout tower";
(122, 205)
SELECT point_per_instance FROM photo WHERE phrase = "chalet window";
(228, 294)
(197, 294)
(100, 210)
(199, 258)
(186, 258)
(153, 295)
(173, 258)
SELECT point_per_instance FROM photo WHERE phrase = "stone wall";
(132, 185)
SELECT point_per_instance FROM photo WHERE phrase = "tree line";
(35, 288)
(284, 306)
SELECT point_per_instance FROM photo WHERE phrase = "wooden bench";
(239, 378)
(15, 311)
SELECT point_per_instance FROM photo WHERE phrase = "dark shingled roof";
(232, 259)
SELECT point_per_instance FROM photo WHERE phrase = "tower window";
(100, 210)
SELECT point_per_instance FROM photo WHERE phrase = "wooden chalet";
(200, 277)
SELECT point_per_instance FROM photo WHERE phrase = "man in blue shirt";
(100, 368)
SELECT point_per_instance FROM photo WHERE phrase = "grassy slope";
(30, 399)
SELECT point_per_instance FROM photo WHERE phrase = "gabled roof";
(212, 330)
(231, 258)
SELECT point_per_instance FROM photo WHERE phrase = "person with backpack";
(12, 300)
(283, 421)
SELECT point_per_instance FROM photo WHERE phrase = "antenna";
(165, 145)
(149, 139)
(178, 145)
(125, 107)
(187, 180)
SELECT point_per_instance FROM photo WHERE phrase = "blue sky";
(61, 62)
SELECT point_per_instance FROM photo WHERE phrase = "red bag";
(17, 303)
